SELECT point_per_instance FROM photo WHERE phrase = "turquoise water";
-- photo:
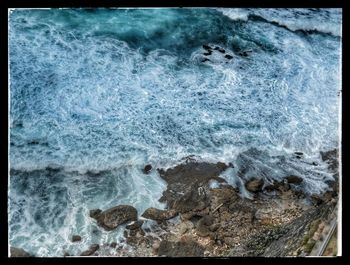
(97, 94)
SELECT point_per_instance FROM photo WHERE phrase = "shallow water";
(97, 94)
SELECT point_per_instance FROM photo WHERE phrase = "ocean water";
(95, 95)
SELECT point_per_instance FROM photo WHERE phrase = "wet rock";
(180, 249)
(254, 185)
(161, 215)
(221, 50)
(206, 47)
(299, 153)
(294, 179)
(92, 249)
(205, 60)
(207, 53)
(224, 194)
(66, 254)
(113, 245)
(227, 56)
(115, 216)
(76, 238)
(331, 157)
(147, 169)
(187, 188)
(19, 252)
(135, 225)
(95, 212)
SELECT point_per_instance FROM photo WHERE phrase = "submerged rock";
(227, 56)
(115, 216)
(254, 185)
(19, 252)
(294, 179)
(180, 249)
(76, 238)
(147, 169)
(206, 47)
(159, 215)
(92, 249)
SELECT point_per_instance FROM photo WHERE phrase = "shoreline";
(202, 219)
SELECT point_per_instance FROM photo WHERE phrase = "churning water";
(97, 94)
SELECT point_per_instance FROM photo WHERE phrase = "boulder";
(147, 169)
(254, 185)
(95, 212)
(115, 216)
(92, 249)
(76, 238)
(293, 179)
(188, 248)
(19, 252)
(135, 225)
(159, 215)
(227, 56)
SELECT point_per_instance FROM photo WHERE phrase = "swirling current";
(95, 94)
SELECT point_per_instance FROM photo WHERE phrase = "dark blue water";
(97, 94)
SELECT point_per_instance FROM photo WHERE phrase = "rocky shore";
(216, 220)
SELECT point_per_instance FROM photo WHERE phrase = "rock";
(113, 245)
(205, 60)
(221, 50)
(66, 254)
(214, 227)
(92, 249)
(19, 252)
(134, 225)
(294, 179)
(160, 215)
(227, 56)
(229, 241)
(331, 157)
(188, 248)
(298, 153)
(147, 169)
(206, 47)
(203, 226)
(95, 212)
(115, 216)
(206, 220)
(187, 185)
(254, 185)
(155, 245)
(207, 53)
(76, 238)
(225, 194)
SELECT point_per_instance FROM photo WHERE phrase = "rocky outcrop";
(92, 249)
(187, 188)
(19, 252)
(187, 248)
(254, 185)
(283, 240)
(159, 215)
(111, 218)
